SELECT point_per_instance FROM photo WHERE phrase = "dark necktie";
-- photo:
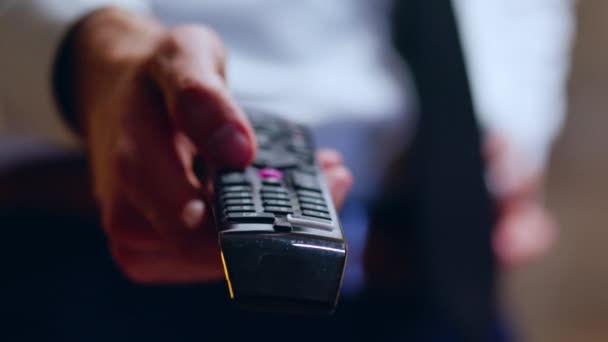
(438, 199)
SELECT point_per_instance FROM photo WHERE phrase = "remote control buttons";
(239, 208)
(307, 169)
(271, 174)
(238, 201)
(272, 182)
(263, 140)
(282, 192)
(274, 196)
(262, 158)
(317, 214)
(305, 182)
(284, 162)
(278, 203)
(272, 190)
(311, 200)
(278, 210)
(236, 188)
(311, 194)
(250, 217)
(276, 158)
(310, 222)
(308, 206)
(238, 194)
(233, 178)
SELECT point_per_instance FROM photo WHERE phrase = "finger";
(125, 226)
(165, 267)
(523, 234)
(329, 157)
(189, 68)
(151, 174)
(340, 181)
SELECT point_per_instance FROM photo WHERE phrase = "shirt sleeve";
(31, 32)
(518, 56)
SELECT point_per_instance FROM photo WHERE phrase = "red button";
(271, 173)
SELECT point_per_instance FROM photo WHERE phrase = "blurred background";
(565, 296)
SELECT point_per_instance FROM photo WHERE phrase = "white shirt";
(324, 63)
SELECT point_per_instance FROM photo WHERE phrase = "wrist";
(102, 42)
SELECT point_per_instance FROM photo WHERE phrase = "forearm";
(88, 46)
(31, 32)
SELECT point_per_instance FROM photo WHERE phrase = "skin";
(526, 229)
(150, 100)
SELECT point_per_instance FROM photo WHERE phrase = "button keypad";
(238, 194)
(277, 196)
(306, 182)
(250, 217)
(306, 193)
(273, 189)
(277, 203)
(311, 200)
(238, 201)
(233, 178)
(282, 186)
(307, 206)
(317, 214)
(239, 208)
(236, 188)
(278, 210)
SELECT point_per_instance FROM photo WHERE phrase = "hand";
(525, 230)
(149, 100)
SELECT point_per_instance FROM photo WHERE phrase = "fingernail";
(193, 213)
(230, 147)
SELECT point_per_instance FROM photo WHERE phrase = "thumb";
(189, 69)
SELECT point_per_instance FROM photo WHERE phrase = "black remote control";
(282, 244)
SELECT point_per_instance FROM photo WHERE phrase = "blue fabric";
(354, 218)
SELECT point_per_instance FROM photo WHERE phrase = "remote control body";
(282, 245)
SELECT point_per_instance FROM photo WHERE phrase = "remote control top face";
(282, 244)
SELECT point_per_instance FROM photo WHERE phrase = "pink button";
(271, 173)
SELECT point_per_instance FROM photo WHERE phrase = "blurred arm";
(31, 32)
(518, 54)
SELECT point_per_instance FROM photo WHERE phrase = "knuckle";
(168, 50)
(199, 32)
(171, 45)
(179, 38)
(180, 42)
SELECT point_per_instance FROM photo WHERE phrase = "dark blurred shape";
(63, 285)
(57, 184)
(437, 203)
